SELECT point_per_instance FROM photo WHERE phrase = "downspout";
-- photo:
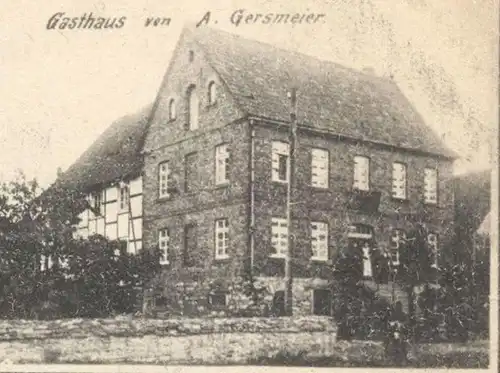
(251, 226)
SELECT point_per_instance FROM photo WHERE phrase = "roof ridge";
(198, 30)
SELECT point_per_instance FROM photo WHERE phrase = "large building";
(209, 162)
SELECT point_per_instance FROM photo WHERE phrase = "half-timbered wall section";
(116, 213)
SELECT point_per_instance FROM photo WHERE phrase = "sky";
(60, 89)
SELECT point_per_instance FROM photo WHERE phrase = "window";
(399, 180)
(221, 164)
(280, 159)
(189, 171)
(432, 241)
(163, 243)
(322, 302)
(172, 114)
(193, 108)
(212, 93)
(45, 263)
(190, 244)
(163, 179)
(361, 173)
(430, 186)
(191, 56)
(360, 231)
(124, 197)
(279, 237)
(96, 201)
(319, 241)
(217, 299)
(221, 238)
(397, 238)
(319, 168)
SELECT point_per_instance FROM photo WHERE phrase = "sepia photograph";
(248, 184)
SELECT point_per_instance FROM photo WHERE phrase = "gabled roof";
(472, 200)
(115, 155)
(330, 97)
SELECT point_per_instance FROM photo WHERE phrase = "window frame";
(405, 181)
(325, 154)
(164, 259)
(356, 183)
(211, 294)
(225, 240)
(172, 110)
(190, 93)
(125, 208)
(225, 157)
(396, 245)
(436, 186)
(165, 173)
(325, 257)
(212, 93)
(279, 251)
(275, 157)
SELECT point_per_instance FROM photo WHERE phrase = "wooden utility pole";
(292, 95)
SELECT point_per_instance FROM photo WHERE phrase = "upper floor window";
(397, 238)
(319, 168)
(163, 244)
(221, 238)
(163, 179)
(212, 93)
(430, 185)
(193, 108)
(280, 161)
(319, 240)
(279, 237)
(172, 113)
(432, 241)
(399, 180)
(96, 202)
(221, 164)
(124, 197)
(361, 173)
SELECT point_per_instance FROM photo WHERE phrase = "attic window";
(191, 56)
(171, 109)
(212, 93)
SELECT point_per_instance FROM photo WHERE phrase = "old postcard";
(251, 184)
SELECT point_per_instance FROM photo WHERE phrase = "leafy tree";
(46, 272)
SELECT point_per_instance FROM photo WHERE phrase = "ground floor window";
(322, 301)
(217, 299)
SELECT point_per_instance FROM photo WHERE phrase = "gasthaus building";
(203, 173)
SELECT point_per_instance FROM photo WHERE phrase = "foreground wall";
(174, 341)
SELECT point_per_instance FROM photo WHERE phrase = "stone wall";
(174, 341)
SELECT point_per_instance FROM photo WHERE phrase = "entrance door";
(322, 302)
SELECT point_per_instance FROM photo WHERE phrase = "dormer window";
(193, 108)
(172, 114)
(212, 93)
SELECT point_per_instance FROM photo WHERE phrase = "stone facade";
(201, 202)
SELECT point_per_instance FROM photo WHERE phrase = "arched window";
(172, 114)
(193, 107)
(212, 93)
